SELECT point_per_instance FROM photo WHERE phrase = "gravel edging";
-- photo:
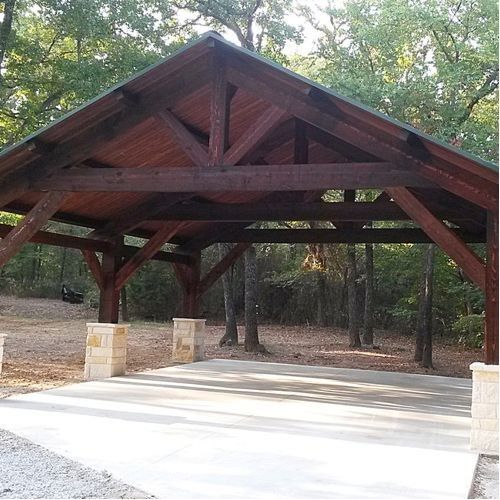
(485, 483)
(31, 471)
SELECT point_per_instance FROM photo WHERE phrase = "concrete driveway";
(246, 430)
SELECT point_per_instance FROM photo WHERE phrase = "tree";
(251, 333)
(230, 336)
(423, 343)
(368, 316)
(354, 339)
(431, 64)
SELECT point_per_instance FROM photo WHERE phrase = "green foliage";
(470, 330)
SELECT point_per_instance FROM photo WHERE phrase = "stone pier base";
(484, 433)
(106, 353)
(189, 340)
(2, 340)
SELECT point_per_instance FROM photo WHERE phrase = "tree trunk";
(321, 287)
(124, 303)
(354, 340)
(230, 336)
(251, 332)
(426, 298)
(5, 30)
(368, 316)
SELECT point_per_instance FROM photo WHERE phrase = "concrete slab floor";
(224, 429)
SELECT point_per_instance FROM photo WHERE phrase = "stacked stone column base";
(2, 340)
(106, 353)
(484, 410)
(189, 340)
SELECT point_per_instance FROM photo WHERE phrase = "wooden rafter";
(254, 136)
(304, 107)
(300, 177)
(196, 152)
(100, 133)
(145, 253)
(442, 235)
(34, 220)
(221, 267)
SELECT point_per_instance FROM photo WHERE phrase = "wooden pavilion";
(196, 148)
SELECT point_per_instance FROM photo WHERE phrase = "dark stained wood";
(304, 177)
(189, 279)
(145, 253)
(34, 220)
(85, 144)
(304, 107)
(441, 234)
(94, 265)
(406, 235)
(300, 211)
(132, 216)
(300, 143)
(109, 299)
(491, 333)
(68, 241)
(219, 111)
(254, 136)
(221, 267)
(196, 152)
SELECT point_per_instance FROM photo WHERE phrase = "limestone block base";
(188, 340)
(2, 341)
(484, 409)
(106, 351)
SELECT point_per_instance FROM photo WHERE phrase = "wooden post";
(189, 279)
(110, 295)
(491, 327)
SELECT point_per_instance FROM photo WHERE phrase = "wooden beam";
(491, 332)
(219, 111)
(302, 106)
(441, 234)
(79, 243)
(109, 298)
(145, 253)
(103, 130)
(189, 279)
(133, 216)
(94, 266)
(219, 269)
(406, 235)
(195, 151)
(30, 225)
(303, 177)
(300, 143)
(319, 211)
(254, 136)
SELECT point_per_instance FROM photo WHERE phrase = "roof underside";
(182, 85)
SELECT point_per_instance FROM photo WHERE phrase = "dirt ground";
(45, 347)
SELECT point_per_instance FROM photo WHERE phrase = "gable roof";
(125, 132)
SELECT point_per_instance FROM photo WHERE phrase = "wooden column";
(491, 327)
(110, 294)
(189, 279)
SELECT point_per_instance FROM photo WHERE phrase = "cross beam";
(406, 235)
(301, 177)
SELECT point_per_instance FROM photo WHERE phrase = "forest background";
(430, 63)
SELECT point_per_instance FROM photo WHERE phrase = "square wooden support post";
(2, 341)
(106, 353)
(188, 340)
(484, 410)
